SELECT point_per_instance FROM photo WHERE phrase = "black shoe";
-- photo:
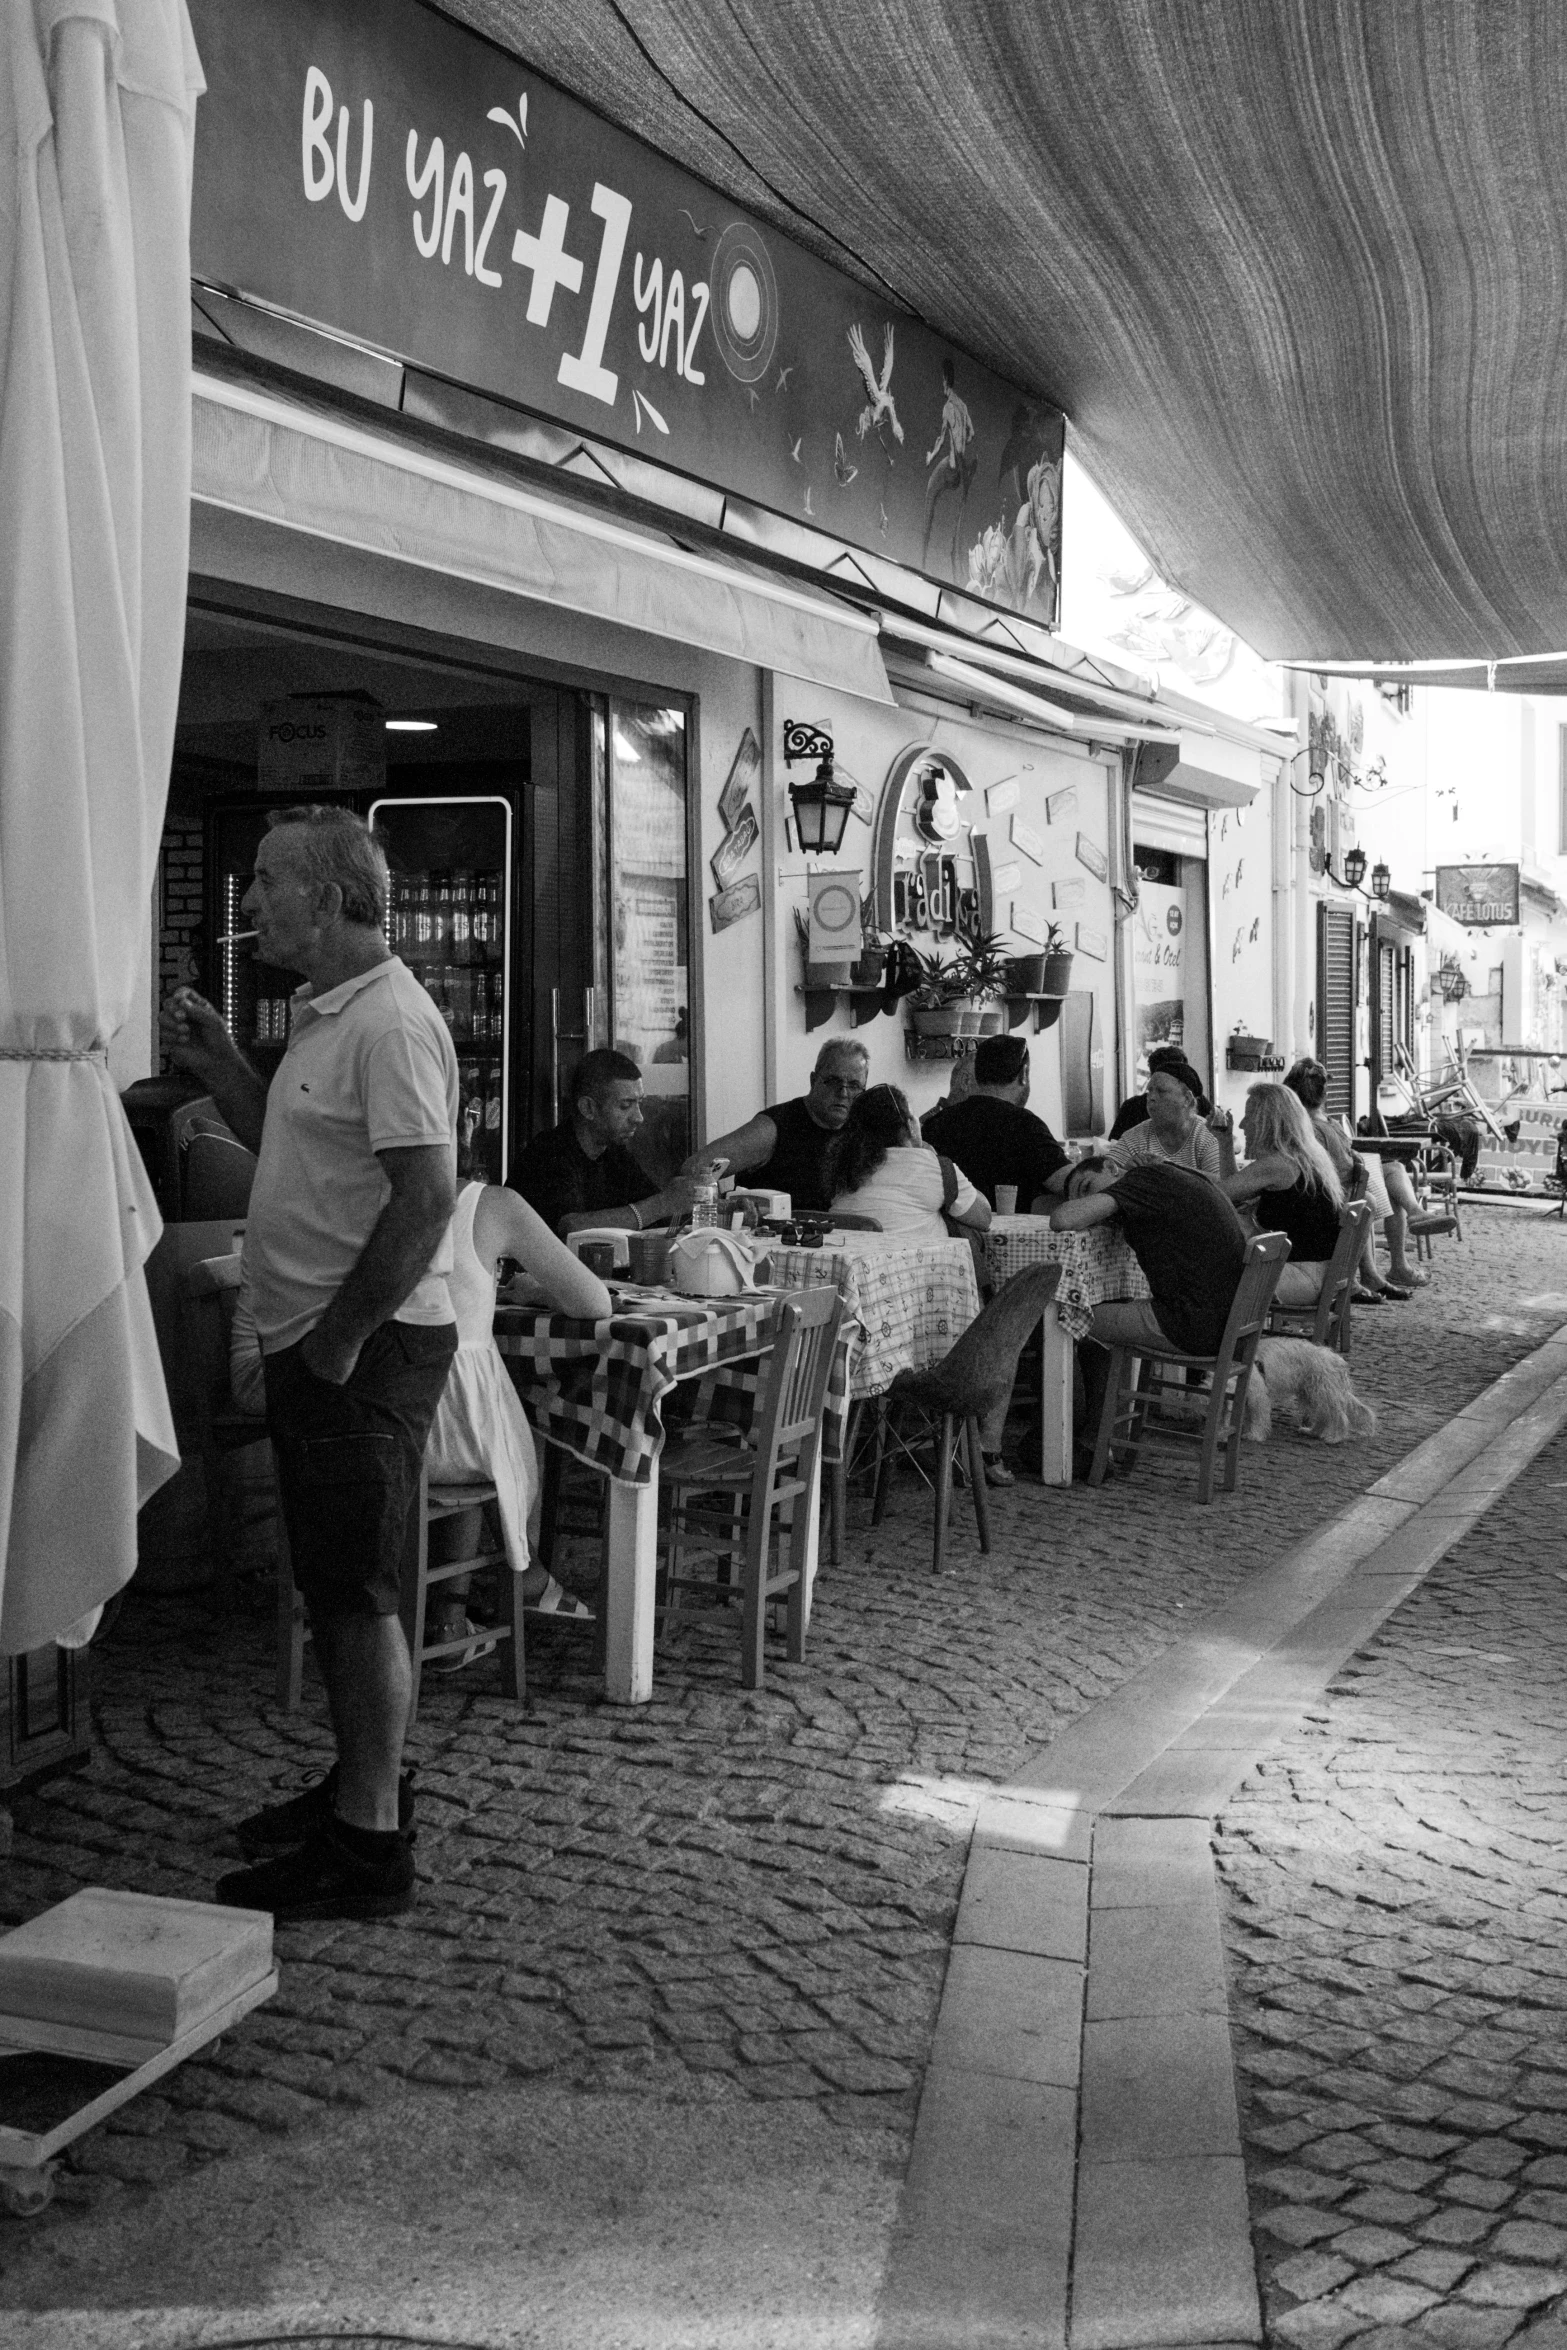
(283, 1827)
(324, 1879)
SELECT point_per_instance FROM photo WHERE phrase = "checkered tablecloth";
(1095, 1265)
(596, 1387)
(906, 1301)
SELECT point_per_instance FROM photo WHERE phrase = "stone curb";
(1076, 2180)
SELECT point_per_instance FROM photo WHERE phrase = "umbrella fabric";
(97, 119)
(1293, 268)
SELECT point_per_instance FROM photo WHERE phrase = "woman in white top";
(885, 1171)
(480, 1431)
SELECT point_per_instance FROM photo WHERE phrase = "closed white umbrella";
(97, 121)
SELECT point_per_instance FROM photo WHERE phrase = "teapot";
(711, 1263)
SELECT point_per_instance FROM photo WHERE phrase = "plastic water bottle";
(704, 1206)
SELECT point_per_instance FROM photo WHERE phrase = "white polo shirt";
(369, 1067)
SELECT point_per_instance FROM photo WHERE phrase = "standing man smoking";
(348, 1247)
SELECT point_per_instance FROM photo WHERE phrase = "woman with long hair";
(1386, 1188)
(882, 1169)
(1289, 1184)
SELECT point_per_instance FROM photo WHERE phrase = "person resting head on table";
(884, 1170)
(1175, 1132)
(788, 1146)
(1288, 1184)
(480, 1434)
(1387, 1190)
(1134, 1109)
(581, 1173)
(995, 1138)
(1191, 1245)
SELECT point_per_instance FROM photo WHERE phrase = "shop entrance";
(538, 836)
(1170, 957)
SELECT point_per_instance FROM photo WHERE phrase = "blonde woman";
(1288, 1184)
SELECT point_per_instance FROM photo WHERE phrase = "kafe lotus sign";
(1480, 896)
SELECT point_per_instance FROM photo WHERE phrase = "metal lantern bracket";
(803, 741)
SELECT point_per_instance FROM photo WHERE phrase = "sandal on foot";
(477, 1643)
(556, 1600)
(1367, 1297)
(996, 1470)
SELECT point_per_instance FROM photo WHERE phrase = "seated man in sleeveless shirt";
(787, 1147)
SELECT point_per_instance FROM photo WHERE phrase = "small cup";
(1006, 1199)
(650, 1257)
(599, 1257)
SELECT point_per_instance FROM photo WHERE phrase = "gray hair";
(839, 1048)
(337, 847)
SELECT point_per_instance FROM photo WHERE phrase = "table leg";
(1055, 1401)
(631, 1540)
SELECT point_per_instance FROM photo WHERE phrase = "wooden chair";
(1326, 1323)
(211, 1286)
(1128, 1403)
(763, 1482)
(432, 1504)
(948, 1401)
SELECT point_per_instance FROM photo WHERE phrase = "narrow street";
(671, 1986)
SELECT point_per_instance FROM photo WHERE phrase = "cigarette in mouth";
(235, 938)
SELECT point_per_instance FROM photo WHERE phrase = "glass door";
(643, 829)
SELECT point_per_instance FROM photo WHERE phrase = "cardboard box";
(322, 743)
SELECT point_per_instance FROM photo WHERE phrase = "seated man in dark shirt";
(789, 1146)
(1191, 1246)
(581, 1172)
(994, 1138)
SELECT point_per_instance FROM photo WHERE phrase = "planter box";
(991, 1021)
(938, 1020)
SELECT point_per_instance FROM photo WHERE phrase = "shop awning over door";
(1292, 269)
(318, 475)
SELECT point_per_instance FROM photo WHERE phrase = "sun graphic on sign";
(745, 303)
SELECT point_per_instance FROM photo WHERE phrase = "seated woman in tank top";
(882, 1169)
(1288, 1184)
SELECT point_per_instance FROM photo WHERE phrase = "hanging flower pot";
(938, 1019)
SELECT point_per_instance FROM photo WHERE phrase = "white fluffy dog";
(1311, 1386)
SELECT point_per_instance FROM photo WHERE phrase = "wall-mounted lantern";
(1381, 881)
(821, 807)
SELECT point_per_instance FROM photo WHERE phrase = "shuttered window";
(1336, 1006)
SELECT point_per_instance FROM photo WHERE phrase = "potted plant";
(985, 969)
(870, 969)
(938, 1001)
(1057, 976)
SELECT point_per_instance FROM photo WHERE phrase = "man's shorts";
(348, 1463)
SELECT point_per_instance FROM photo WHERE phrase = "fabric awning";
(97, 122)
(317, 474)
(1293, 270)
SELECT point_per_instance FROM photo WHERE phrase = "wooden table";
(595, 1388)
(1096, 1265)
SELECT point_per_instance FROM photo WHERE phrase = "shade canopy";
(97, 111)
(1292, 267)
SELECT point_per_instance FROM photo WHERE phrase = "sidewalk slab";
(1157, 1962)
(1013, 1901)
(1150, 1864)
(1163, 2256)
(1158, 2089)
(1003, 2011)
(981, 2257)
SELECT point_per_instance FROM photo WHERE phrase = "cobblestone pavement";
(1396, 1895)
(721, 1894)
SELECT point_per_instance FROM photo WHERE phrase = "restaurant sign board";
(1478, 895)
(383, 172)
